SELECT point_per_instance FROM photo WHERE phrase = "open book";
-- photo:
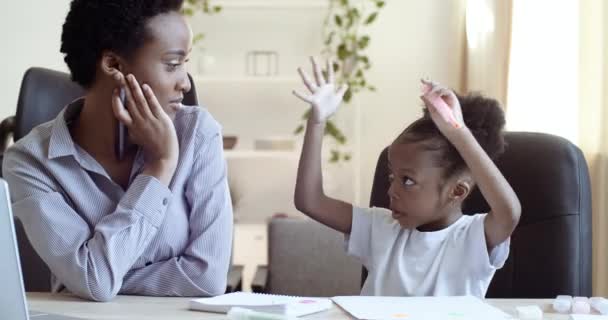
(286, 305)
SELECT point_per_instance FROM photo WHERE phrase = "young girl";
(423, 245)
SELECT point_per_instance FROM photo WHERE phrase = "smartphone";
(121, 132)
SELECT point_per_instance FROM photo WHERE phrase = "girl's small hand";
(444, 107)
(324, 98)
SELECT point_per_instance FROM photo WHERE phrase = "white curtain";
(593, 125)
(488, 37)
(547, 61)
(543, 70)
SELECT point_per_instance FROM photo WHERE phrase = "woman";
(155, 221)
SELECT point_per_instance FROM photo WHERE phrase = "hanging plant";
(191, 7)
(345, 43)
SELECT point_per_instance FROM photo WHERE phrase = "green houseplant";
(345, 43)
(191, 7)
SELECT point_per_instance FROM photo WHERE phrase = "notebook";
(419, 308)
(285, 305)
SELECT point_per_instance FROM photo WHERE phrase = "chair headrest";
(43, 94)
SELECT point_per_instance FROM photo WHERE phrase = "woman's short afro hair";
(93, 26)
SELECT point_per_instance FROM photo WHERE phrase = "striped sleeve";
(90, 262)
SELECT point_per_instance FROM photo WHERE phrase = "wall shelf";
(272, 4)
(241, 79)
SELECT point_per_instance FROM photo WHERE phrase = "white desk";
(149, 308)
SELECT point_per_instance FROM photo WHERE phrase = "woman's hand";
(324, 97)
(148, 125)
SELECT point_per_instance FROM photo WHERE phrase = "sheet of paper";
(587, 317)
(415, 308)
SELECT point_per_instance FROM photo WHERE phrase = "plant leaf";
(306, 114)
(335, 156)
(363, 42)
(198, 37)
(371, 18)
(299, 129)
(188, 12)
(336, 66)
(338, 20)
(332, 130)
(348, 95)
(343, 53)
(330, 37)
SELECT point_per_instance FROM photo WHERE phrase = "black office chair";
(551, 247)
(43, 94)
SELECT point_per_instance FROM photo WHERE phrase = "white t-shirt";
(406, 262)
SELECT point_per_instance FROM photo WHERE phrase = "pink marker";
(307, 301)
(441, 106)
(444, 110)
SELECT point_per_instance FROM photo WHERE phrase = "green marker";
(236, 313)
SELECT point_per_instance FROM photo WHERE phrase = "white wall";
(30, 31)
(410, 40)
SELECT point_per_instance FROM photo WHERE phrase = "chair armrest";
(259, 279)
(7, 128)
(235, 279)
